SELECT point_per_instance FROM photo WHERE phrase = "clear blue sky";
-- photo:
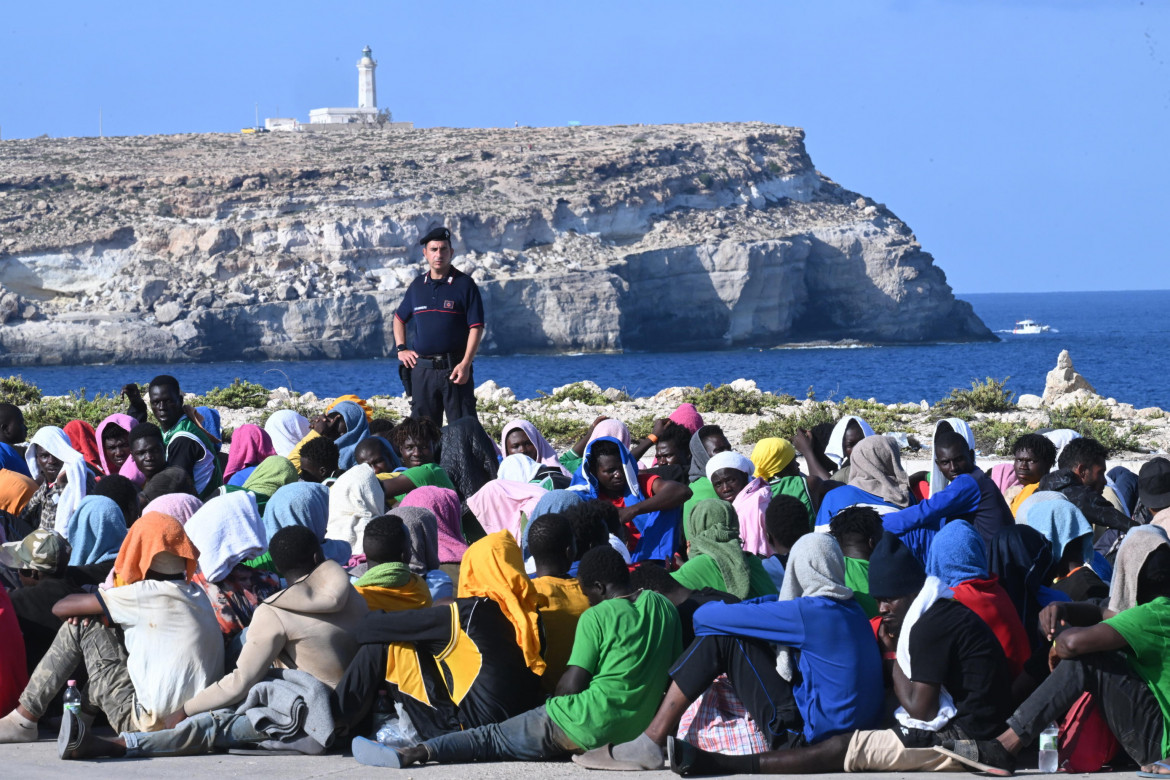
(1025, 142)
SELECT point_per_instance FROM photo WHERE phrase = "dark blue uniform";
(443, 311)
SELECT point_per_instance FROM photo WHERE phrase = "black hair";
(122, 492)
(786, 520)
(1040, 446)
(590, 523)
(172, 479)
(653, 576)
(293, 548)
(679, 436)
(112, 430)
(709, 431)
(1154, 577)
(385, 540)
(323, 452)
(860, 521)
(368, 443)
(166, 380)
(950, 440)
(9, 412)
(381, 426)
(598, 450)
(416, 428)
(1084, 451)
(550, 536)
(604, 565)
(145, 431)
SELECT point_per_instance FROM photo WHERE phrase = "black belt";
(439, 362)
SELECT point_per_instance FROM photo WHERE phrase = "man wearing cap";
(1154, 491)
(447, 310)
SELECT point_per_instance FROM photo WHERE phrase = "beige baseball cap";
(40, 551)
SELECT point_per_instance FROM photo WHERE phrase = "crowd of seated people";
(408, 594)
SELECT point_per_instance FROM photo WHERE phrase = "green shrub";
(880, 417)
(579, 391)
(1093, 418)
(14, 390)
(76, 406)
(787, 426)
(727, 399)
(640, 427)
(991, 395)
(240, 394)
(997, 436)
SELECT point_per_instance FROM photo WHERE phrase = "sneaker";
(14, 728)
(72, 735)
(985, 755)
(681, 755)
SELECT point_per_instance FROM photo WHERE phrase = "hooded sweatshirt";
(307, 626)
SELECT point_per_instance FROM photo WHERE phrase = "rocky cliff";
(200, 247)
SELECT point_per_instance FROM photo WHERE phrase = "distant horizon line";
(1052, 292)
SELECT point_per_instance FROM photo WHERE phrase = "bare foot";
(413, 755)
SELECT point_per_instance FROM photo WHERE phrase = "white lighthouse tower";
(367, 92)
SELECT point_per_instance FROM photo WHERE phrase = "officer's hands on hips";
(460, 374)
(408, 357)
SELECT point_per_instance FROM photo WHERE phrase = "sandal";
(602, 758)
(985, 755)
(1161, 764)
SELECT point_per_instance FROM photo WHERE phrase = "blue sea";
(1118, 340)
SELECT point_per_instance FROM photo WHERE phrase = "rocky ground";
(197, 247)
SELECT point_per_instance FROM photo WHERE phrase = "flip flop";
(368, 752)
(602, 758)
(1162, 764)
(966, 752)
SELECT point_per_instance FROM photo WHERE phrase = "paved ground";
(39, 760)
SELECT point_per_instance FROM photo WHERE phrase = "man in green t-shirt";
(858, 529)
(1131, 687)
(617, 673)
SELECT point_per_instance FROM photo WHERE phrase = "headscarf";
(444, 505)
(15, 491)
(876, 468)
(1004, 477)
(614, 429)
(688, 417)
(423, 531)
(273, 473)
(713, 530)
(1059, 521)
(355, 499)
(392, 458)
(53, 440)
(938, 480)
(771, 456)
(544, 451)
(357, 427)
(96, 531)
(1060, 438)
(699, 458)
(957, 554)
(518, 468)
(499, 504)
(468, 455)
(1021, 557)
(286, 428)
(129, 469)
(493, 568)
(227, 531)
(152, 534)
(552, 502)
(81, 436)
(250, 445)
(1125, 484)
(305, 504)
(1137, 546)
(352, 399)
(180, 506)
(585, 481)
(209, 422)
(835, 449)
(730, 460)
(816, 567)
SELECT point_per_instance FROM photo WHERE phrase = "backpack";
(1086, 744)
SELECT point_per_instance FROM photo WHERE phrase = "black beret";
(893, 570)
(438, 234)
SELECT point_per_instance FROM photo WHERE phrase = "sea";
(1117, 340)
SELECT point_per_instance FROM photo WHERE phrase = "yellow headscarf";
(772, 456)
(494, 567)
(356, 400)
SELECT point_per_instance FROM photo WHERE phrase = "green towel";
(385, 575)
(713, 529)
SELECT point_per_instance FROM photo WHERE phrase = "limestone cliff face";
(206, 247)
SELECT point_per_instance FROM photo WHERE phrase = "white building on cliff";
(366, 112)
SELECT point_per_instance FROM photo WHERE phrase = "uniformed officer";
(448, 315)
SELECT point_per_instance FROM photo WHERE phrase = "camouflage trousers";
(102, 650)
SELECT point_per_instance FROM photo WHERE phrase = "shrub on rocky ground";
(787, 426)
(240, 394)
(997, 436)
(579, 391)
(728, 400)
(879, 416)
(76, 406)
(14, 390)
(1094, 418)
(988, 396)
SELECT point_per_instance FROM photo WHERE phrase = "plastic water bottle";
(72, 698)
(1048, 755)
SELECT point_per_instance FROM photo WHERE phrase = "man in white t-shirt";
(168, 648)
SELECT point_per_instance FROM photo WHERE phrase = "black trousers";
(1130, 710)
(750, 666)
(433, 394)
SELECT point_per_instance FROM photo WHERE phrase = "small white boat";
(1029, 326)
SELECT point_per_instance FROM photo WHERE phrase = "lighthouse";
(367, 92)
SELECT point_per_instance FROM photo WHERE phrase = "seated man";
(625, 643)
(929, 643)
(858, 529)
(415, 440)
(307, 626)
(652, 576)
(832, 688)
(147, 449)
(169, 646)
(969, 495)
(13, 432)
(1034, 455)
(1080, 477)
(785, 521)
(319, 458)
(187, 444)
(558, 595)
(388, 583)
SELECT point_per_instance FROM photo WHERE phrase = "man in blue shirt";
(445, 305)
(13, 431)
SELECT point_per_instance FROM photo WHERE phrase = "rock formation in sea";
(286, 245)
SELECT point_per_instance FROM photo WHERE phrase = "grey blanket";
(292, 708)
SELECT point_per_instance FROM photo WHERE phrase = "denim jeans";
(528, 737)
(198, 735)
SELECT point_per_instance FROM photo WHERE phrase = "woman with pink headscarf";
(602, 426)
(444, 505)
(113, 440)
(250, 445)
